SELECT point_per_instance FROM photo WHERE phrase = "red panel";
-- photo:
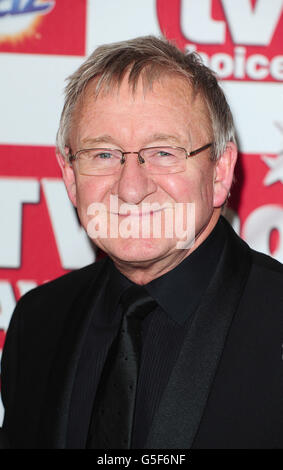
(40, 258)
(2, 338)
(249, 191)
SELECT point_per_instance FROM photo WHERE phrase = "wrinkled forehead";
(147, 81)
(179, 87)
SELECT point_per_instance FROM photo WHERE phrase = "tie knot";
(137, 302)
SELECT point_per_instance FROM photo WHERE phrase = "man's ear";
(68, 176)
(223, 174)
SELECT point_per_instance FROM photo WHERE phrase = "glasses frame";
(75, 156)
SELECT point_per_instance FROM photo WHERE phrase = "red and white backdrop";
(42, 42)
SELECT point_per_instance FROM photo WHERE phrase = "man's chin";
(136, 250)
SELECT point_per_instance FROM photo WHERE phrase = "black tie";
(113, 416)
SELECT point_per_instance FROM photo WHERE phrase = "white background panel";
(118, 20)
(31, 96)
(258, 113)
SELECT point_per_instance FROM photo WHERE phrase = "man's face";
(166, 115)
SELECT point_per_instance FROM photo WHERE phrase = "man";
(145, 131)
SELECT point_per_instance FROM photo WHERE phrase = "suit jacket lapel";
(55, 411)
(182, 405)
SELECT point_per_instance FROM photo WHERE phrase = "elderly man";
(174, 339)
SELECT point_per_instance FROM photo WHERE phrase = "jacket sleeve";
(10, 370)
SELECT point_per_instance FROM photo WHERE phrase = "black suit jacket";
(3, 440)
(226, 388)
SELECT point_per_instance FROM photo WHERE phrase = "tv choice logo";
(238, 40)
(241, 66)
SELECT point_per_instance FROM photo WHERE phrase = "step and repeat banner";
(42, 42)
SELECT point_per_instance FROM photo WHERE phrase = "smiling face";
(166, 115)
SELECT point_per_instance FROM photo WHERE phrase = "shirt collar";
(179, 291)
(116, 285)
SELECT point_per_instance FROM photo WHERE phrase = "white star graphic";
(276, 169)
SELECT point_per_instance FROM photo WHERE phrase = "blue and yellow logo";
(20, 18)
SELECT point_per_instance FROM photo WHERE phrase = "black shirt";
(178, 294)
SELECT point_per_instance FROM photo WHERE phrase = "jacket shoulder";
(67, 286)
(266, 262)
(259, 260)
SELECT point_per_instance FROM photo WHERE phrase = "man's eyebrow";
(168, 138)
(107, 139)
(101, 139)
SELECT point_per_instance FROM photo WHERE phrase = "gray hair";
(148, 57)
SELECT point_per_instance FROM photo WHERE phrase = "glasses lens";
(99, 161)
(164, 160)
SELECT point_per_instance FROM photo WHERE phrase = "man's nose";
(134, 183)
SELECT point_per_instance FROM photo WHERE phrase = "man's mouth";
(138, 214)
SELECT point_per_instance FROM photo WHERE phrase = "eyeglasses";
(156, 160)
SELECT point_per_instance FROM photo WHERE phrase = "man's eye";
(163, 154)
(103, 155)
